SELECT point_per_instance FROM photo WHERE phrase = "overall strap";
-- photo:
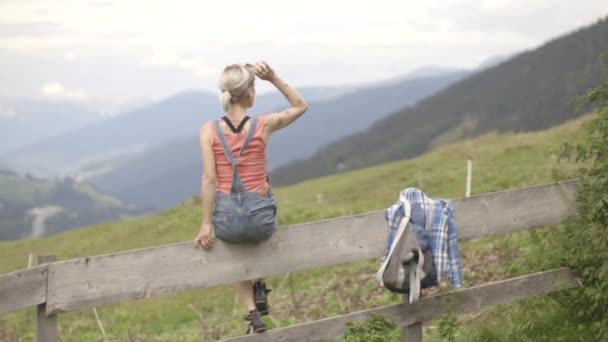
(240, 126)
(237, 183)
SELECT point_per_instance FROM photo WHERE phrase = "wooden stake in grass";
(30, 260)
(469, 177)
(100, 324)
(46, 326)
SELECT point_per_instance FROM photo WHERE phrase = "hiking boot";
(256, 325)
(260, 297)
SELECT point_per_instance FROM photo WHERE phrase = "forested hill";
(528, 92)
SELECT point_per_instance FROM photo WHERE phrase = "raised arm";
(298, 105)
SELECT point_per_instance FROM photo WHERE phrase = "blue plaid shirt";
(439, 227)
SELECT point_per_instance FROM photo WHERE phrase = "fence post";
(469, 177)
(46, 326)
(413, 333)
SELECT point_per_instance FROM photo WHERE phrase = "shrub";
(376, 329)
(583, 244)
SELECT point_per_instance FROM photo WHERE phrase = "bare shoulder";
(206, 131)
(263, 119)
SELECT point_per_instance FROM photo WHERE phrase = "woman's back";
(251, 166)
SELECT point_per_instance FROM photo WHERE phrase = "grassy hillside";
(531, 91)
(77, 204)
(501, 161)
(22, 189)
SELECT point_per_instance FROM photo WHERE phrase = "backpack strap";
(237, 183)
(407, 210)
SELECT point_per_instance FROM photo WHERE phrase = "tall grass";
(500, 161)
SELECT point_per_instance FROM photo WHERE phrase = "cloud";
(71, 56)
(55, 90)
(6, 111)
(168, 58)
(31, 28)
(173, 48)
(535, 19)
(100, 4)
(161, 58)
(198, 66)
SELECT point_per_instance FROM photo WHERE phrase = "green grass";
(101, 199)
(500, 161)
(24, 190)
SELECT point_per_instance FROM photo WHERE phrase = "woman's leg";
(260, 298)
(244, 290)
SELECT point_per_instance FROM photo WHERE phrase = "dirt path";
(41, 214)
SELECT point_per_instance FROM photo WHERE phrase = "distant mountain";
(329, 121)
(31, 207)
(423, 72)
(121, 135)
(168, 173)
(25, 121)
(128, 135)
(531, 91)
(163, 176)
(493, 61)
(4, 166)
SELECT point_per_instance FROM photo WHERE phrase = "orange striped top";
(251, 166)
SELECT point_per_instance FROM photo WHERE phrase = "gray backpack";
(406, 269)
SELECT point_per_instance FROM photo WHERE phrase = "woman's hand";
(203, 239)
(264, 71)
(298, 105)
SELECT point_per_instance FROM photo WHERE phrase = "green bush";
(583, 244)
(376, 329)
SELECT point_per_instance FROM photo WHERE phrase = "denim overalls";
(242, 216)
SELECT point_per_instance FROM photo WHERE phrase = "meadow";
(500, 161)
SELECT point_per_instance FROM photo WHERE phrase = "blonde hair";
(234, 82)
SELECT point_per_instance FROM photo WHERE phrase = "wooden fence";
(76, 284)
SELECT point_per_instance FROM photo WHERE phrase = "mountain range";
(530, 91)
(25, 121)
(150, 156)
(122, 136)
(168, 173)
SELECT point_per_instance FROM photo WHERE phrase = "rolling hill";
(104, 143)
(530, 91)
(167, 173)
(25, 121)
(500, 161)
(31, 207)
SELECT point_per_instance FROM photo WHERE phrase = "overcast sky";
(117, 51)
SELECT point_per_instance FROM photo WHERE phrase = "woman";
(236, 197)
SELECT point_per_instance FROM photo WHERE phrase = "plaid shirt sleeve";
(444, 241)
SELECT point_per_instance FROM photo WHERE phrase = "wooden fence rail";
(99, 280)
(470, 299)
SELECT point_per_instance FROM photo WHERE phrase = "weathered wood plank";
(412, 333)
(46, 326)
(100, 280)
(171, 268)
(514, 210)
(23, 288)
(471, 299)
